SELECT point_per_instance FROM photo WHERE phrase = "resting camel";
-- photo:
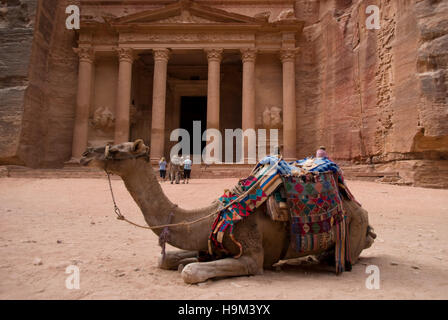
(262, 238)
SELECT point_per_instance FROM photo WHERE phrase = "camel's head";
(114, 157)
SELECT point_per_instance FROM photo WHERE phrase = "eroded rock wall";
(375, 97)
(38, 81)
(16, 38)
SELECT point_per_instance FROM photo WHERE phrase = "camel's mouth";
(84, 161)
(92, 154)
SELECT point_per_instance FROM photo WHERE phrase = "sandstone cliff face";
(38, 80)
(50, 100)
(376, 97)
(16, 36)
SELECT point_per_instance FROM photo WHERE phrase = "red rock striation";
(377, 99)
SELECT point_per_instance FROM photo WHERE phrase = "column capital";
(125, 54)
(214, 54)
(248, 54)
(86, 54)
(161, 54)
(289, 54)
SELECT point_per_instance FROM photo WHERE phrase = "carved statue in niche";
(287, 14)
(309, 8)
(103, 119)
(272, 118)
(265, 15)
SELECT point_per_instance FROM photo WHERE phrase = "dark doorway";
(193, 109)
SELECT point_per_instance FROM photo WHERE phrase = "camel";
(175, 170)
(262, 239)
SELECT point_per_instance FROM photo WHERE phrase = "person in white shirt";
(187, 168)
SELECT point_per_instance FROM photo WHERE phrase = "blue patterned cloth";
(284, 168)
(322, 165)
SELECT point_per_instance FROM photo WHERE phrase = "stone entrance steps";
(368, 174)
(72, 171)
(198, 172)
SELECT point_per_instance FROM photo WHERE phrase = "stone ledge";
(418, 173)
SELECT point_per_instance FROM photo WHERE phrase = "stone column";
(81, 128)
(248, 106)
(161, 57)
(288, 57)
(122, 108)
(214, 57)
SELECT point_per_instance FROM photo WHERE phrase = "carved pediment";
(185, 12)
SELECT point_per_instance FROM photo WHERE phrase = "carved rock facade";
(377, 99)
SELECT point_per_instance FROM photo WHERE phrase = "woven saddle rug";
(317, 218)
(242, 200)
(315, 208)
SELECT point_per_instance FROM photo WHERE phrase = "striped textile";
(246, 205)
(317, 218)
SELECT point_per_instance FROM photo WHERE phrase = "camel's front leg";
(175, 258)
(229, 267)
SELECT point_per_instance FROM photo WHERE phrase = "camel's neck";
(156, 208)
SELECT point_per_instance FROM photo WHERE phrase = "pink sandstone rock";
(374, 98)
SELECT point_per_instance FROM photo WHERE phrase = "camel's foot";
(184, 262)
(202, 271)
(175, 258)
(371, 236)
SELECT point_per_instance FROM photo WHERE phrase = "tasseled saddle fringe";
(342, 247)
(164, 236)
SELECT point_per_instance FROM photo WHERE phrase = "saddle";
(310, 201)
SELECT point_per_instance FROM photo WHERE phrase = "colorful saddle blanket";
(313, 190)
(241, 201)
(317, 217)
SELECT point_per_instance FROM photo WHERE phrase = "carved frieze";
(183, 37)
(185, 17)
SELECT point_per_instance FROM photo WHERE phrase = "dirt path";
(70, 221)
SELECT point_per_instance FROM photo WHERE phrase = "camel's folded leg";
(202, 271)
(174, 258)
(361, 234)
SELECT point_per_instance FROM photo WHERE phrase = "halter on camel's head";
(107, 156)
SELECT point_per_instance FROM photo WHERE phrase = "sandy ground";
(70, 221)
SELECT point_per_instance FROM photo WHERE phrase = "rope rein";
(120, 216)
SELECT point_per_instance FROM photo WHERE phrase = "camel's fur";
(262, 238)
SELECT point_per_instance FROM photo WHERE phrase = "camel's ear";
(138, 145)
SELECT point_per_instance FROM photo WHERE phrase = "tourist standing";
(162, 168)
(322, 153)
(187, 168)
